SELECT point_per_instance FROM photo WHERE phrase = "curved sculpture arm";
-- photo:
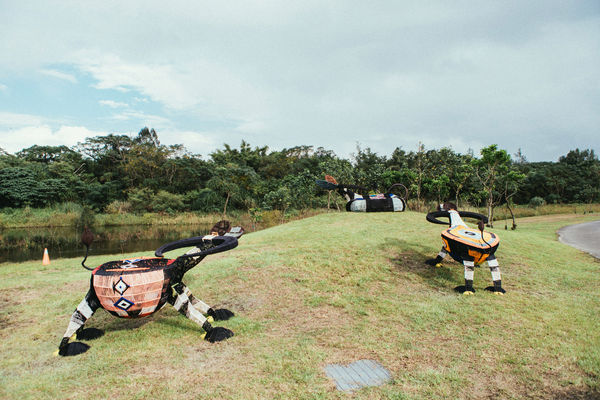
(390, 190)
(434, 216)
(207, 245)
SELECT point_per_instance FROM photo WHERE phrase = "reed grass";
(70, 214)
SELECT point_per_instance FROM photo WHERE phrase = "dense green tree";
(139, 170)
(205, 200)
(50, 154)
(398, 160)
(342, 170)
(107, 151)
(186, 173)
(9, 160)
(164, 201)
(279, 199)
(302, 189)
(19, 187)
(144, 165)
(246, 156)
(232, 181)
(140, 199)
(368, 168)
(104, 159)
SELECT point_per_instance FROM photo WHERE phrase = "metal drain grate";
(358, 374)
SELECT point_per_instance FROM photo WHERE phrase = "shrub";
(140, 200)
(167, 202)
(279, 199)
(86, 218)
(118, 207)
(69, 207)
(553, 198)
(536, 202)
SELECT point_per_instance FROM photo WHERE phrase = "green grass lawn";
(333, 288)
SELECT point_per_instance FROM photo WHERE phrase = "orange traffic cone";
(46, 259)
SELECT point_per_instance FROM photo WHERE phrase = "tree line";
(120, 173)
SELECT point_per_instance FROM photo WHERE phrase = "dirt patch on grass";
(12, 319)
(16, 297)
(241, 304)
(411, 261)
(575, 393)
(213, 356)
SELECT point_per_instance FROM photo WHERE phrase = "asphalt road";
(584, 237)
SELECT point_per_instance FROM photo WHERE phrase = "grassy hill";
(334, 288)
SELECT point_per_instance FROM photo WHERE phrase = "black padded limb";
(216, 334)
(434, 216)
(220, 314)
(326, 185)
(72, 349)
(89, 333)
(214, 245)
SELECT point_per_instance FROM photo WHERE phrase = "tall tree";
(510, 181)
(49, 154)
(489, 168)
(419, 168)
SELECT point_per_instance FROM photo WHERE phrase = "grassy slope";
(333, 288)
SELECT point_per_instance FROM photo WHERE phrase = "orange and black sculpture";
(468, 246)
(138, 287)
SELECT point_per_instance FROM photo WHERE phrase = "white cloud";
(58, 74)
(200, 87)
(10, 120)
(162, 83)
(113, 104)
(152, 121)
(3, 87)
(18, 138)
(251, 127)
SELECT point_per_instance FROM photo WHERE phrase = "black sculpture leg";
(347, 193)
(220, 314)
(437, 262)
(496, 276)
(469, 274)
(82, 313)
(182, 303)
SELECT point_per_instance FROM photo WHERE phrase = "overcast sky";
(332, 74)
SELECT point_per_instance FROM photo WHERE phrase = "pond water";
(24, 244)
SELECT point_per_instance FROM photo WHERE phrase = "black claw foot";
(73, 349)
(495, 289)
(218, 334)
(464, 289)
(220, 314)
(89, 333)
